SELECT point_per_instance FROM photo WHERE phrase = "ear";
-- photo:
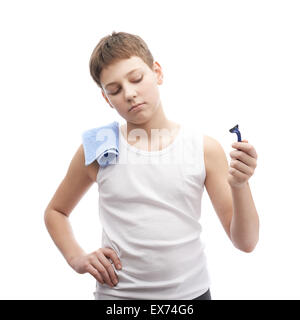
(104, 96)
(158, 70)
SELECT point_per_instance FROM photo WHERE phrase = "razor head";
(234, 129)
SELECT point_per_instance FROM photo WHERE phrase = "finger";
(238, 165)
(94, 272)
(239, 176)
(102, 270)
(243, 157)
(114, 257)
(111, 275)
(245, 147)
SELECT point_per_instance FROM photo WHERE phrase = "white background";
(224, 62)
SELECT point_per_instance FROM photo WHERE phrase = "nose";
(129, 92)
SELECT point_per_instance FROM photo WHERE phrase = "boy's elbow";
(247, 248)
(46, 216)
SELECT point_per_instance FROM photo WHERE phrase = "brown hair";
(117, 46)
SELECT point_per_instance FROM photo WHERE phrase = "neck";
(158, 121)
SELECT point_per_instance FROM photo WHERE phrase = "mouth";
(136, 106)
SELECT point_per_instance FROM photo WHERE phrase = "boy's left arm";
(230, 193)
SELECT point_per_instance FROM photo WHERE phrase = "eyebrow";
(125, 75)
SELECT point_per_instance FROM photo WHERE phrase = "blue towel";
(101, 144)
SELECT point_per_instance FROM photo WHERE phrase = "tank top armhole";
(98, 174)
(203, 159)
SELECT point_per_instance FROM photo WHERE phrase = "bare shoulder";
(212, 151)
(93, 168)
(79, 163)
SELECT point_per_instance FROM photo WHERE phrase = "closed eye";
(139, 80)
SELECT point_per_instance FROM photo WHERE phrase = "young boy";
(151, 246)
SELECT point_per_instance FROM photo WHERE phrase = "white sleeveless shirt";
(149, 207)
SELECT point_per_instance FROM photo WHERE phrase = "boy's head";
(111, 61)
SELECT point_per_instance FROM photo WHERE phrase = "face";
(124, 88)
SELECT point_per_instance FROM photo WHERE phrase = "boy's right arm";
(72, 188)
(75, 184)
